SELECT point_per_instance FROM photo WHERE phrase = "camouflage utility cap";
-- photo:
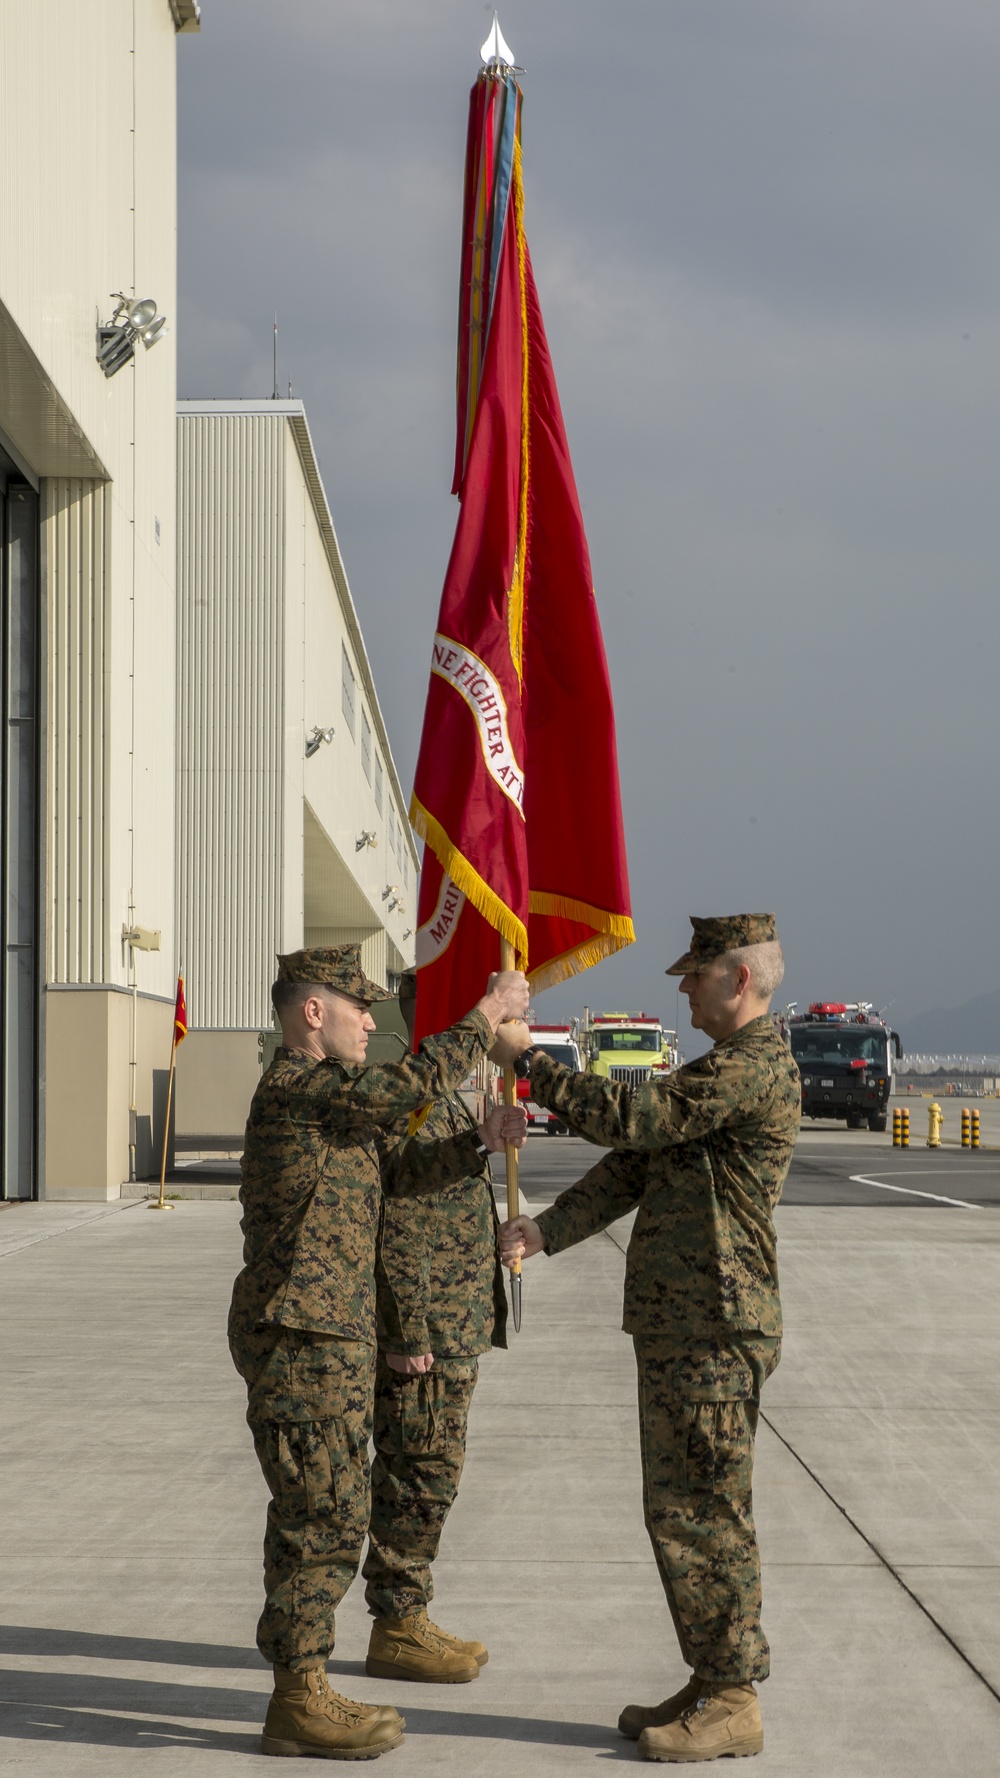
(720, 933)
(331, 966)
(408, 985)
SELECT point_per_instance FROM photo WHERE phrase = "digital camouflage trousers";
(420, 1428)
(310, 1411)
(698, 1414)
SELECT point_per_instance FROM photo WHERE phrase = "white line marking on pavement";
(880, 1185)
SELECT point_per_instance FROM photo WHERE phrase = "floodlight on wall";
(141, 938)
(130, 323)
(390, 889)
(316, 739)
(409, 932)
(365, 838)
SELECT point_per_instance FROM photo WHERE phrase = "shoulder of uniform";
(696, 1070)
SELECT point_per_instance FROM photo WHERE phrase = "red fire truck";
(562, 1046)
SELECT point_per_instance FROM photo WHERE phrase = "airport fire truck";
(845, 1053)
(560, 1041)
(629, 1046)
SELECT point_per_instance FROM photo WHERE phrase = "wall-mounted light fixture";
(365, 838)
(140, 938)
(316, 739)
(409, 932)
(390, 889)
(131, 322)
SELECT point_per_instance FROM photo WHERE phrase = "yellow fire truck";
(628, 1046)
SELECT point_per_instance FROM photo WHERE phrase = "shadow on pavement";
(24, 1687)
(23, 1639)
(54, 1722)
(103, 1710)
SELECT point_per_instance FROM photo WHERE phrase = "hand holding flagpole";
(179, 1034)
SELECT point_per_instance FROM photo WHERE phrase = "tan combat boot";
(305, 1716)
(636, 1717)
(723, 1724)
(473, 1651)
(410, 1648)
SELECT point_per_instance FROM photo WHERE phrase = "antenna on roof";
(275, 396)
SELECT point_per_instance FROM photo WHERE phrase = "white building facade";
(156, 810)
(291, 822)
(87, 528)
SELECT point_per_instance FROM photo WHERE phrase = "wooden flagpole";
(513, 1193)
(161, 1204)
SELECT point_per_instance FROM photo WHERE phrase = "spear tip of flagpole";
(495, 50)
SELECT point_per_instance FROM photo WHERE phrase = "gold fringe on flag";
(466, 878)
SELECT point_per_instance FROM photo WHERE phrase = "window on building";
(366, 745)
(378, 784)
(392, 830)
(347, 687)
(406, 868)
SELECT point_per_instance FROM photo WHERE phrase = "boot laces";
(344, 1710)
(336, 1706)
(429, 1634)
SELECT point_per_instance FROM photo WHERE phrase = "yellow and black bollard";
(935, 1118)
(975, 1129)
(966, 1128)
(897, 1128)
(904, 1135)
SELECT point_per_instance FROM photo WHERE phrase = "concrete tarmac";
(133, 1507)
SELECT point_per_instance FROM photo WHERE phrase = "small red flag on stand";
(516, 791)
(180, 1014)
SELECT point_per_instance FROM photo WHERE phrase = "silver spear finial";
(495, 49)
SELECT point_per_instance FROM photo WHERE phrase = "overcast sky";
(767, 245)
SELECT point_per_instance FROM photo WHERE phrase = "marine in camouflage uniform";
(302, 1317)
(701, 1156)
(440, 1292)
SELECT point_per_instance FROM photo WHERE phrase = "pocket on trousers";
(715, 1447)
(718, 1375)
(308, 1464)
(407, 1413)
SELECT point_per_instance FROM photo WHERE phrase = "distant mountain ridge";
(969, 1030)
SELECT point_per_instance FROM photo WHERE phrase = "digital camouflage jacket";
(439, 1280)
(702, 1155)
(316, 1138)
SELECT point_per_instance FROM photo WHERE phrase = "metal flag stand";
(161, 1203)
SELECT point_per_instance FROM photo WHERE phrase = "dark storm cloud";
(766, 245)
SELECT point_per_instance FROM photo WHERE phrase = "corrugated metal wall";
(374, 945)
(76, 531)
(230, 713)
